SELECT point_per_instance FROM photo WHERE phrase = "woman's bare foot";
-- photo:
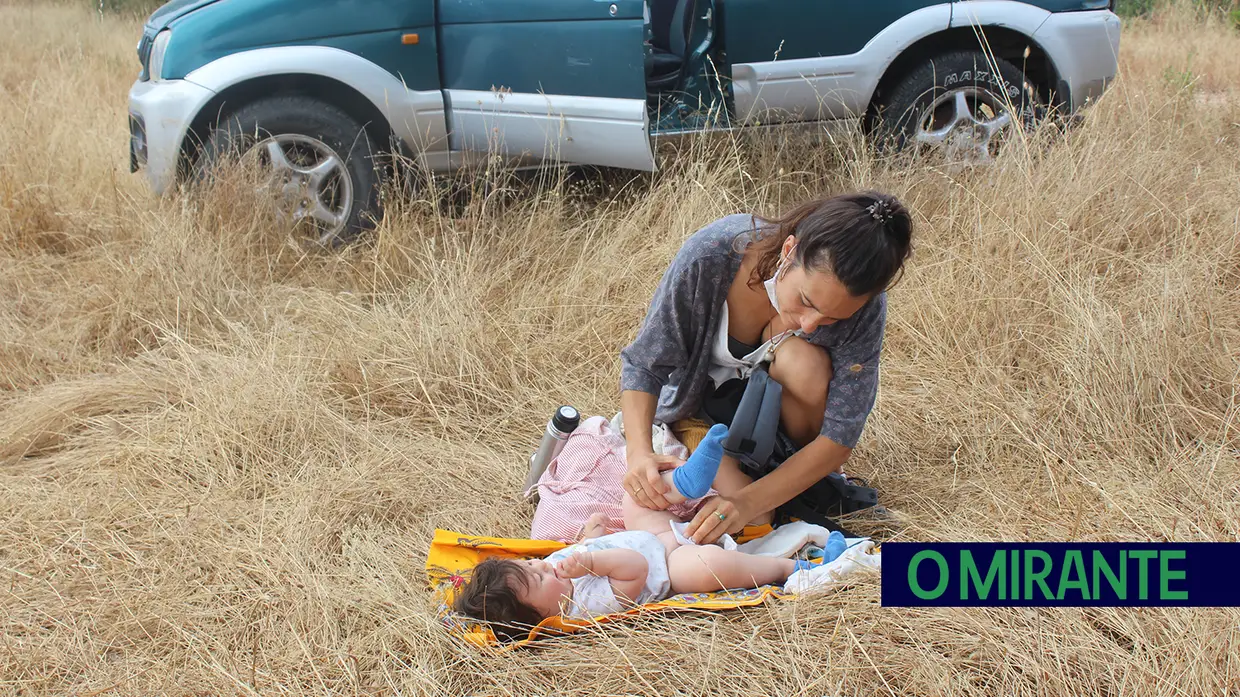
(596, 526)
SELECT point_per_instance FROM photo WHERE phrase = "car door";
(802, 59)
(547, 79)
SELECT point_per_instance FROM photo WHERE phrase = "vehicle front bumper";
(1084, 46)
(160, 114)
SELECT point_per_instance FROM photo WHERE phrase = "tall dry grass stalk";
(222, 458)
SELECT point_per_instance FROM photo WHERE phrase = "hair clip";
(880, 211)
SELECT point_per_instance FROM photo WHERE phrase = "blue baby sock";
(836, 544)
(693, 479)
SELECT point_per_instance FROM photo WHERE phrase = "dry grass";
(221, 460)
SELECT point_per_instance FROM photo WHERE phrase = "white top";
(724, 366)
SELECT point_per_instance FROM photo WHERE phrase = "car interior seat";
(671, 23)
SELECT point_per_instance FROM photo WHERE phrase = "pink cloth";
(586, 477)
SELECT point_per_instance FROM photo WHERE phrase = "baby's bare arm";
(625, 569)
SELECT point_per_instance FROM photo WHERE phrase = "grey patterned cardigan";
(671, 354)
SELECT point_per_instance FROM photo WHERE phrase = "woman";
(807, 291)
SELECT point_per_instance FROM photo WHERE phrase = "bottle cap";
(566, 419)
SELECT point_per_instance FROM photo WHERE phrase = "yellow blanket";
(453, 555)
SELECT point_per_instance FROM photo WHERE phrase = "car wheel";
(961, 104)
(319, 163)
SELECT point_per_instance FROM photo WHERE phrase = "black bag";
(751, 409)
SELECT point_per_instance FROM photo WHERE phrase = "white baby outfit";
(592, 595)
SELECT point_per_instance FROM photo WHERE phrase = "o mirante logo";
(1060, 574)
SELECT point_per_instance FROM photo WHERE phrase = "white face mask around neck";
(770, 282)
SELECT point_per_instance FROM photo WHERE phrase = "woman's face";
(811, 299)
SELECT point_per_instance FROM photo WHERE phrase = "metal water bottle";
(562, 423)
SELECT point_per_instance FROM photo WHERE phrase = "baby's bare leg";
(729, 481)
(657, 523)
(673, 496)
(596, 526)
(706, 568)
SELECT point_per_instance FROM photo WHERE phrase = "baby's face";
(545, 588)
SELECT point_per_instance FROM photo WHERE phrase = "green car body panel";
(761, 30)
(369, 28)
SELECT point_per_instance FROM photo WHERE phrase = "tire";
(303, 127)
(902, 119)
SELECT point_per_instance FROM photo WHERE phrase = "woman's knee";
(803, 369)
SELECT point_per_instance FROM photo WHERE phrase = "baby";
(608, 573)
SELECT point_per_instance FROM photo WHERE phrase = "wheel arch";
(381, 101)
(999, 41)
(247, 91)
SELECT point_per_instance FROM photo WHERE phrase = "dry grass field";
(222, 458)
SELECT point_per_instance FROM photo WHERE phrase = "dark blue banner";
(1061, 574)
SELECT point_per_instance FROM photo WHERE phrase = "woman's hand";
(718, 516)
(644, 482)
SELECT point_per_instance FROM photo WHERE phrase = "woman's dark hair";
(491, 596)
(862, 238)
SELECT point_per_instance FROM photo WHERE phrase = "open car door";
(560, 80)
